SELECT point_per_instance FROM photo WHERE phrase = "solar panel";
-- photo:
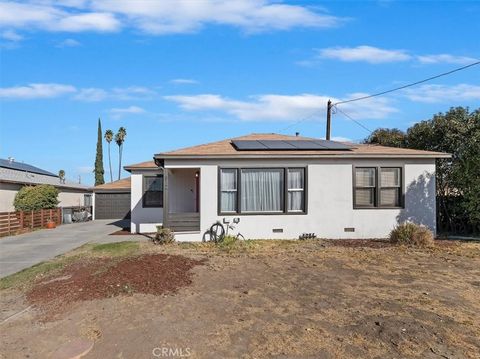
(332, 145)
(248, 145)
(306, 145)
(277, 145)
(286, 145)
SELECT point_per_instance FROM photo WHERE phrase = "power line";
(409, 85)
(299, 121)
(378, 94)
(351, 118)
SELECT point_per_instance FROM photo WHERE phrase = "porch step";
(183, 222)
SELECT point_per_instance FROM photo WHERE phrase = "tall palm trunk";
(110, 162)
(119, 160)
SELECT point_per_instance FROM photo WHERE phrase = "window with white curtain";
(261, 190)
(296, 189)
(228, 190)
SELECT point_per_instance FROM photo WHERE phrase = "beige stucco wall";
(7, 195)
(71, 198)
(67, 197)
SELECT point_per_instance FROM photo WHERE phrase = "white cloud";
(47, 16)
(121, 112)
(161, 17)
(33, 91)
(91, 95)
(184, 81)
(370, 54)
(445, 59)
(132, 93)
(444, 93)
(118, 93)
(272, 107)
(341, 139)
(69, 43)
(11, 35)
(375, 55)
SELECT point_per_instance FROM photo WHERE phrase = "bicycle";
(217, 232)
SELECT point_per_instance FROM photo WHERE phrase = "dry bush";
(411, 234)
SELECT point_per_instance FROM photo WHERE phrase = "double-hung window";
(365, 187)
(296, 189)
(390, 187)
(262, 190)
(228, 190)
(153, 191)
(377, 187)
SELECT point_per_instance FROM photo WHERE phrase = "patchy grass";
(28, 275)
(118, 249)
(42, 270)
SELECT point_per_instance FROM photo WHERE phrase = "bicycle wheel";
(217, 232)
(207, 236)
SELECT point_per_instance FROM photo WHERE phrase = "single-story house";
(15, 175)
(112, 200)
(282, 186)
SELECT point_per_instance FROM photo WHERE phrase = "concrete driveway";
(25, 250)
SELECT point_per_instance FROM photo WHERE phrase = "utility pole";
(329, 119)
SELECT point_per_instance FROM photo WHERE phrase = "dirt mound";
(108, 277)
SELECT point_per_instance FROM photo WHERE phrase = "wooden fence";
(18, 222)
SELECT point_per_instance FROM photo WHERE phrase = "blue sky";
(182, 73)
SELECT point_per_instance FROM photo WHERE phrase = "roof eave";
(340, 155)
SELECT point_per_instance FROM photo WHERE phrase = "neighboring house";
(112, 200)
(283, 186)
(15, 175)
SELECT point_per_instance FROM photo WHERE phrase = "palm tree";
(109, 137)
(119, 140)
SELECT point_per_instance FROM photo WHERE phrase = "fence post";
(31, 224)
(59, 215)
(21, 220)
(9, 223)
(41, 218)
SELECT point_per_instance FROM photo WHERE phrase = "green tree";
(458, 179)
(109, 138)
(61, 176)
(392, 137)
(99, 172)
(32, 198)
(119, 140)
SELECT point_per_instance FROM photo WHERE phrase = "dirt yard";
(282, 299)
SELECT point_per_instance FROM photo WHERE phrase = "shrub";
(411, 234)
(32, 198)
(164, 236)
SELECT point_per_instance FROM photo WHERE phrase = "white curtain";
(228, 180)
(262, 190)
(296, 189)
